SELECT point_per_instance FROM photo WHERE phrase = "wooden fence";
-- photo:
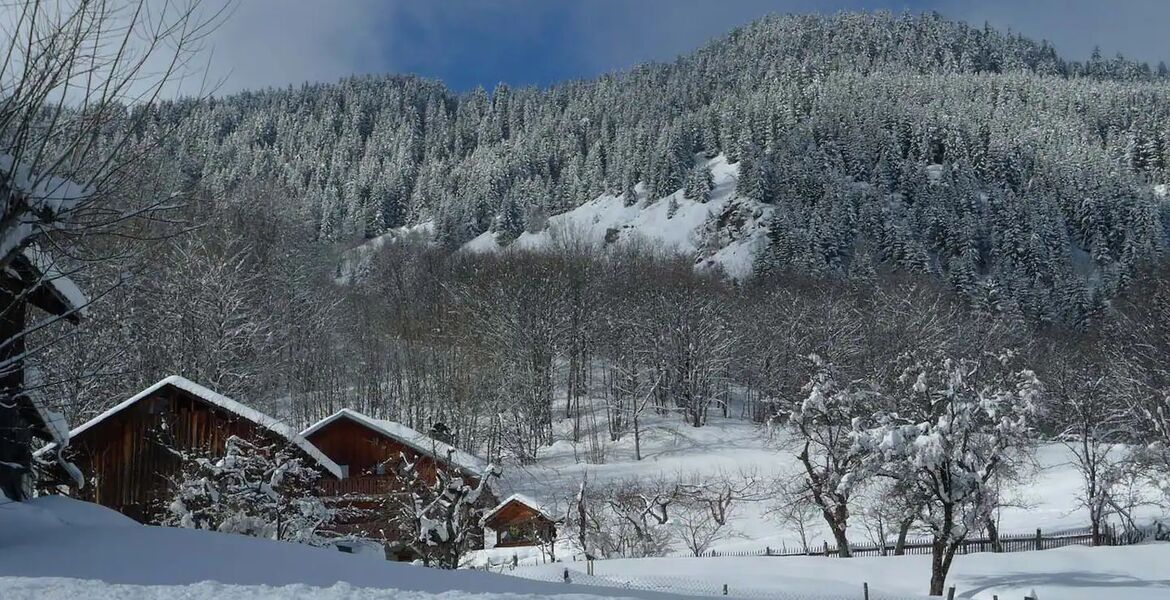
(1013, 542)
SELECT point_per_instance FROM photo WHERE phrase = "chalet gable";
(517, 503)
(216, 401)
(396, 432)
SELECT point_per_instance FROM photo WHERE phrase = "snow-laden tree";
(440, 511)
(952, 428)
(820, 425)
(699, 184)
(256, 488)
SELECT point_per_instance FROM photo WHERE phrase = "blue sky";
(481, 42)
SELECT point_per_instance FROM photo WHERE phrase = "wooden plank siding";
(361, 450)
(517, 524)
(126, 459)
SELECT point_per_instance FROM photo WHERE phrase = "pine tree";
(699, 184)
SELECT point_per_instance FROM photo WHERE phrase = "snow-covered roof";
(42, 192)
(522, 499)
(47, 198)
(397, 431)
(220, 401)
(61, 286)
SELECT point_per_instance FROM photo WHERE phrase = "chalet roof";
(223, 402)
(51, 199)
(522, 499)
(397, 431)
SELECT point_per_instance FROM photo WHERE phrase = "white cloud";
(263, 43)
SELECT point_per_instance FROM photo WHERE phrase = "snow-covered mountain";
(725, 233)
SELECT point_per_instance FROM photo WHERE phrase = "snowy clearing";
(598, 221)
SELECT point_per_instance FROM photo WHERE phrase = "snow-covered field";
(730, 247)
(1073, 573)
(57, 548)
(726, 232)
(734, 447)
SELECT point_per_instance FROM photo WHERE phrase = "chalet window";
(344, 471)
(380, 469)
(156, 406)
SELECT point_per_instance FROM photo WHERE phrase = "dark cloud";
(468, 42)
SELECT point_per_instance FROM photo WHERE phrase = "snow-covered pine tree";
(699, 184)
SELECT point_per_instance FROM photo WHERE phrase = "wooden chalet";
(125, 452)
(519, 521)
(368, 451)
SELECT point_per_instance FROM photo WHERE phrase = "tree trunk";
(942, 552)
(903, 532)
(938, 572)
(993, 536)
(637, 439)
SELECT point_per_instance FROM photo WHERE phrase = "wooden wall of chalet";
(376, 515)
(362, 449)
(126, 464)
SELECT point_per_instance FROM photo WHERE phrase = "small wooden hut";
(520, 521)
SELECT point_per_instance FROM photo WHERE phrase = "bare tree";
(69, 71)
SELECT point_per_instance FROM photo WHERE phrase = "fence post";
(1039, 539)
(826, 548)
(865, 589)
(951, 593)
(725, 589)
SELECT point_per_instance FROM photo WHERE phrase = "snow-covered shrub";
(440, 515)
(257, 489)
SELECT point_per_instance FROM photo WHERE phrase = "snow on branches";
(947, 432)
(821, 428)
(443, 509)
(254, 489)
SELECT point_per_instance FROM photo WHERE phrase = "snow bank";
(71, 589)
(56, 541)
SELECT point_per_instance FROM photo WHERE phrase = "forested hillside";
(1044, 190)
(911, 179)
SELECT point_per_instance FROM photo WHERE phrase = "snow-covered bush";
(440, 515)
(257, 489)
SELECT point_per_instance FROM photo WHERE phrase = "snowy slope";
(725, 232)
(55, 547)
